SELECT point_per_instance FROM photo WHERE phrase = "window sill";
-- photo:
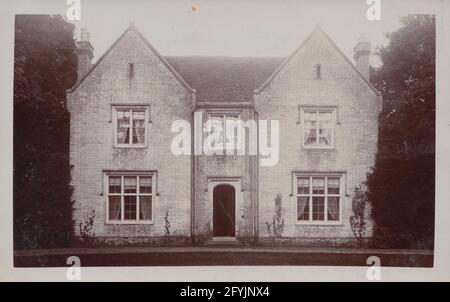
(319, 223)
(130, 147)
(318, 148)
(150, 222)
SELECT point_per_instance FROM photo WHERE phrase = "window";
(130, 126)
(318, 71)
(130, 198)
(318, 198)
(228, 131)
(131, 70)
(318, 128)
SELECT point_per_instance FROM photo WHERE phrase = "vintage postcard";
(216, 135)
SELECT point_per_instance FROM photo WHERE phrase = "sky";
(241, 28)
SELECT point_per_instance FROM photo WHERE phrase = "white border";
(440, 271)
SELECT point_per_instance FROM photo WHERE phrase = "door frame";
(235, 182)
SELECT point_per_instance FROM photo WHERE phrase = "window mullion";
(310, 198)
(137, 198)
(224, 139)
(131, 128)
(317, 130)
(325, 206)
(122, 200)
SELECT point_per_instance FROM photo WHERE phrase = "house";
(122, 111)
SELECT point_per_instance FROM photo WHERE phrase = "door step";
(225, 242)
(224, 239)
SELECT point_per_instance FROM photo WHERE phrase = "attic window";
(318, 71)
(131, 70)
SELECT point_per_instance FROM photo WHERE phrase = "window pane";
(123, 126)
(145, 207)
(114, 208)
(129, 207)
(333, 185)
(217, 131)
(318, 208)
(302, 208)
(115, 182)
(310, 128)
(333, 208)
(145, 184)
(139, 127)
(325, 128)
(303, 185)
(318, 185)
(231, 124)
(129, 184)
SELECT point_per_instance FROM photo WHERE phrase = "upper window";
(130, 198)
(130, 126)
(225, 128)
(318, 198)
(318, 128)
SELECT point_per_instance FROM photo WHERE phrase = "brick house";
(122, 110)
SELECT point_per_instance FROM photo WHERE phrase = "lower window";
(130, 198)
(318, 198)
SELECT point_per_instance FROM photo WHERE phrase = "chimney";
(361, 55)
(85, 53)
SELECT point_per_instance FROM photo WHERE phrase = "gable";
(130, 34)
(316, 48)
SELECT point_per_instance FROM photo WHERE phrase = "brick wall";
(92, 143)
(92, 149)
(356, 132)
(211, 170)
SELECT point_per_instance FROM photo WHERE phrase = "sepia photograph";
(225, 134)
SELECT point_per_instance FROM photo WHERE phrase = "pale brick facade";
(170, 89)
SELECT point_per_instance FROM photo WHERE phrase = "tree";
(401, 186)
(44, 68)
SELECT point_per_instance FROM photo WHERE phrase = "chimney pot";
(361, 56)
(85, 35)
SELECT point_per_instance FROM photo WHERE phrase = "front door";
(224, 211)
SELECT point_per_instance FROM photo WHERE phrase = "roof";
(224, 79)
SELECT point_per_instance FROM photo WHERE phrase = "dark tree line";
(44, 67)
(401, 187)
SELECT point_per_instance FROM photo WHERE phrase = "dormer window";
(318, 71)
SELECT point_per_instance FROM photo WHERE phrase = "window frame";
(122, 194)
(341, 196)
(223, 115)
(317, 110)
(131, 108)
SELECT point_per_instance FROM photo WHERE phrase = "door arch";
(224, 211)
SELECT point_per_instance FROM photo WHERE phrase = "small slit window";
(131, 70)
(318, 71)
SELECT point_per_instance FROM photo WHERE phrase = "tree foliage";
(44, 68)
(358, 220)
(401, 187)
